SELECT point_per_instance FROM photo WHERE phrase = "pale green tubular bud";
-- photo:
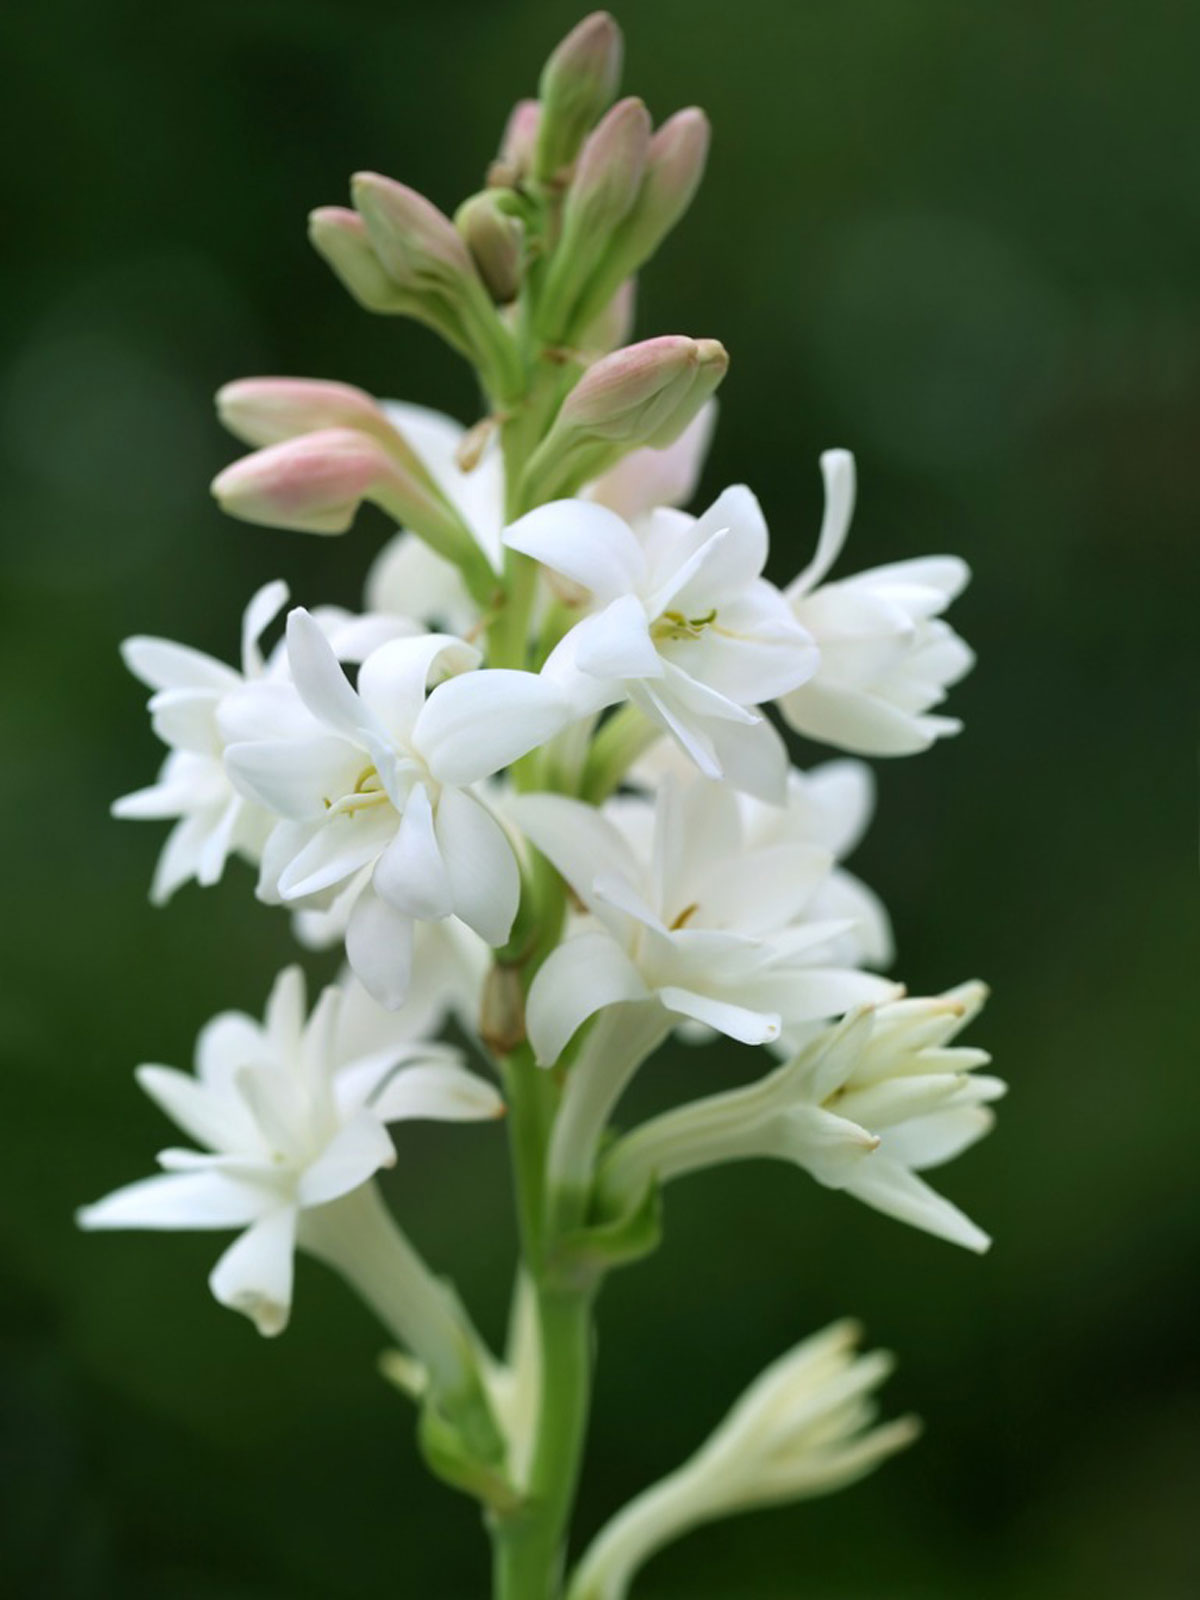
(340, 236)
(646, 394)
(423, 253)
(496, 239)
(577, 83)
(613, 326)
(605, 186)
(675, 162)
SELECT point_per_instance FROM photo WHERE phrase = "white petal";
(187, 1200)
(615, 643)
(264, 607)
(438, 1091)
(576, 839)
(295, 778)
(394, 679)
(754, 759)
(475, 724)
(891, 1188)
(254, 1276)
(336, 850)
(733, 562)
(287, 1012)
(319, 678)
(485, 882)
(357, 1150)
(932, 1141)
(411, 873)
(161, 664)
(736, 1022)
(193, 1106)
(578, 979)
(587, 543)
(837, 469)
(852, 720)
(379, 946)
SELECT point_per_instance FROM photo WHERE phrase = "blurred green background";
(963, 240)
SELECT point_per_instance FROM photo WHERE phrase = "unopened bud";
(316, 483)
(423, 253)
(496, 240)
(418, 247)
(646, 394)
(515, 161)
(340, 235)
(262, 411)
(712, 363)
(577, 83)
(606, 184)
(674, 167)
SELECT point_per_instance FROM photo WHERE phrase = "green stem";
(530, 1547)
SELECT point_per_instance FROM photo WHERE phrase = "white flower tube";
(806, 1427)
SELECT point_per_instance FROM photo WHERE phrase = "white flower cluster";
(540, 788)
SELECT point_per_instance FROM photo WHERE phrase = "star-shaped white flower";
(291, 1115)
(380, 778)
(684, 625)
(887, 657)
(214, 820)
(712, 931)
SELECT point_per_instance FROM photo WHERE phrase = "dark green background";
(963, 239)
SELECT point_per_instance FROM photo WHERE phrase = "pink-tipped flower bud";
(606, 184)
(629, 392)
(517, 146)
(311, 484)
(645, 394)
(262, 411)
(674, 166)
(315, 484)
(496, 240)
(340, 236)
(577, 83)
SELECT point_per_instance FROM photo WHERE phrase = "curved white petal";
(379, 947)
(162, 664)
(187, 1200)
(394, 679)
(736, 1022)
(585, 542)
(837, 469)
(258, 616)
(484, 880)
(576, 839)
(254, 1276)
(319, 678)
(890, 1187)
(437, 1091)
(411, 874)
(357, 1150)
(473, 725)
(614, 643)
(578, 979)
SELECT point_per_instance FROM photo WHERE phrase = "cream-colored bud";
(340, 235)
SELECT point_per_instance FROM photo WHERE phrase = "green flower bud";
(496, 240)
(577, 83)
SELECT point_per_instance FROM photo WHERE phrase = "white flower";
(714, 931)
(865, 1107)
(291, 1116)
(190, 689)
(214, 820)
(807, 1426)
(379, 779)
(887, 658)
(685, 626)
